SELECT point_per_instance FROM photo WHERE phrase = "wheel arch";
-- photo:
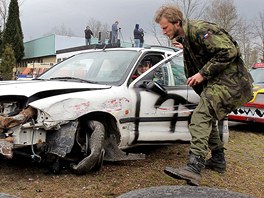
(109, 122)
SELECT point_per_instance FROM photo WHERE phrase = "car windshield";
(257, 75)
(106, 67)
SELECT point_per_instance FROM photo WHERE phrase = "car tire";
(94, 161)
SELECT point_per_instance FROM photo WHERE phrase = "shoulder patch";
(205, 35)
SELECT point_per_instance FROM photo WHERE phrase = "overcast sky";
(39, 17)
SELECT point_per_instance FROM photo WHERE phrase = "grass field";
(245, 172)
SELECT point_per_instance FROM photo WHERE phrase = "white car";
(90, 108)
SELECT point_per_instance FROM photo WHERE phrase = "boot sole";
(213, 168)
(170, 171)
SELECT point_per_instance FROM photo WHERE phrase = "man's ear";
(178, 23)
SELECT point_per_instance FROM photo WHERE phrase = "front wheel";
(94, 141)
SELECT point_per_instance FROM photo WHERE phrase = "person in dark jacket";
(115, 29)
(215, 70)
(88, 35)
(137, 36)
(141, 44)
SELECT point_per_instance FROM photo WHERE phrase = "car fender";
(74, 105)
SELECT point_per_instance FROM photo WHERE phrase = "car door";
(163, 103)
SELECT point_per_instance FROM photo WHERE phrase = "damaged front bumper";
(84, 147)
(28, 128)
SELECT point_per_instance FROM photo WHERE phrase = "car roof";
(147, 48)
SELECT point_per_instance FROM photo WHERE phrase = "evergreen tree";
(13, 34)
(8, 63)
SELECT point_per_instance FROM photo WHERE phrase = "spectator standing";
(141, 37)
(88, 35)
(215, 70)
(137, 36)
(114, 32)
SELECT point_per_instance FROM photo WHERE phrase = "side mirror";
(156, 88)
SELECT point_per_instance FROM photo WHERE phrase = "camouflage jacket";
(213, 53)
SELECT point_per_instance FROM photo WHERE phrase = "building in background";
(49, 50)
(44, 49)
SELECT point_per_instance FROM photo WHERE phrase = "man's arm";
(218, 45)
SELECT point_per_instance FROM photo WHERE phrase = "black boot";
(190, 173)
(217, 161)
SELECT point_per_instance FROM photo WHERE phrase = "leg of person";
(86, 41)
(137, 41)
(113, 39)
(200, 129)
(217, 161)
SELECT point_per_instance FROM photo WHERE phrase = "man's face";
(172, 30)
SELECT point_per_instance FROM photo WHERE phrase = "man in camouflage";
(215, 70)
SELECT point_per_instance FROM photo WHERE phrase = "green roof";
(44, 46)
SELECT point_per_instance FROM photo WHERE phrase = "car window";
(257, 75)
(170, 73)
(178, 71)
(146, 63)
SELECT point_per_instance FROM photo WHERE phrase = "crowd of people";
(138, 34)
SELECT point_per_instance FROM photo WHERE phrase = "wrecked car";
(252, 111)
(89, 109)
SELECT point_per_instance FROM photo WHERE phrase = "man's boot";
(217, 161)
(190, 173)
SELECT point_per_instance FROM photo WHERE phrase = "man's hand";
(177, 44)
(195, 80)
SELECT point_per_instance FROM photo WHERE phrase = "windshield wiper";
(73, 78)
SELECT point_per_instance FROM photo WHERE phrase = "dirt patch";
(244, 174)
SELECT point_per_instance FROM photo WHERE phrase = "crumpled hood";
(31, 87)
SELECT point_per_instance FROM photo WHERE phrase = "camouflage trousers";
(204, 129)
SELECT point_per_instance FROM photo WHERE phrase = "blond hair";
(171, 12)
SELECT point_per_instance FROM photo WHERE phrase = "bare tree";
(259, 34)
(97, 26)
(244, 39)
(4, 11)
(62, 30)
(192, 8)
(158, 35)
(224, 13)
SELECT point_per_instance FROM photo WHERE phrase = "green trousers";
(204, 129)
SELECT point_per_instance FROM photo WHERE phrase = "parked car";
(253, 111)
(89, 108)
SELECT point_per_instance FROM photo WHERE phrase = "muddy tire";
(94, 161)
